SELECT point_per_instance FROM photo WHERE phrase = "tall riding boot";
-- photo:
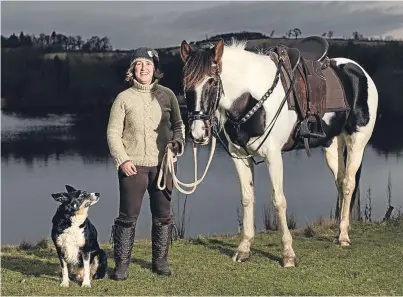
(123, 238)
(161, 236)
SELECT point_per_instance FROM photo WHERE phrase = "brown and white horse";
(226, 82)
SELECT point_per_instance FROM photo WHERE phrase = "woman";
(144, 121)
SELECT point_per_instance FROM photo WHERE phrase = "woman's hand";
(174, 146)
(128, 168)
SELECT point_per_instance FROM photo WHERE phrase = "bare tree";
(297, 32)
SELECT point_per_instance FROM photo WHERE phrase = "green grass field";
(372, 265)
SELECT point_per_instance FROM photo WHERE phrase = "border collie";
(75, 237)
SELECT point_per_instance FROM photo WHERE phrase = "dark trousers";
(132, 189)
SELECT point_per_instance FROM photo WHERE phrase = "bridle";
(208, 117)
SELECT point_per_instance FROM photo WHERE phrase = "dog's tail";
(102, 265)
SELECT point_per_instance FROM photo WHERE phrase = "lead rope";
(167, 166)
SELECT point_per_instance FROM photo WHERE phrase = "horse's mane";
(200, 61)
(196, 68)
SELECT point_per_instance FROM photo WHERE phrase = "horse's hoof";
(289, 262)
(241, 256)
(344, 243)
(86, 285)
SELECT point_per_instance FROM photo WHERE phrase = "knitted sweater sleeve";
(115, 131)
(178, 127)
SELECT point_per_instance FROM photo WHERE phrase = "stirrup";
(312, 128)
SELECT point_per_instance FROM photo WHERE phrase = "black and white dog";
(75, 237)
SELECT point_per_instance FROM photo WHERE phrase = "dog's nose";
(97, 194)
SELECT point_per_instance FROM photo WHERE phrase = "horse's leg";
(335, 161)
(275, 165)
(244, 168)
(355, 150)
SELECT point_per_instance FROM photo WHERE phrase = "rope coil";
(167, 166)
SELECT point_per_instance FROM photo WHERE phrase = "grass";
(372, 265)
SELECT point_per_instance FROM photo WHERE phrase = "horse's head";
(203, 87)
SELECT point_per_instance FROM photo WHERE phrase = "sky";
(131, 24)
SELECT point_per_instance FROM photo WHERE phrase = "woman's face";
(144, 71)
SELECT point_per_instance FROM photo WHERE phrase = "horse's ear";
(219, 49)
(185, 51)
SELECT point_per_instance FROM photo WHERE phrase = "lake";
(40, 154)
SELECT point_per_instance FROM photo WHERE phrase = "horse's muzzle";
(200, 131)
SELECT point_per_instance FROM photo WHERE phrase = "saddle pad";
(335, 97)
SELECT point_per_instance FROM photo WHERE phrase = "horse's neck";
(243, 72)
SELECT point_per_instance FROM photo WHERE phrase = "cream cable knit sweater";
(142, 120)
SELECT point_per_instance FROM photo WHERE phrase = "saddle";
(316, 87)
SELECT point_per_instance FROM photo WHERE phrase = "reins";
(168, 167)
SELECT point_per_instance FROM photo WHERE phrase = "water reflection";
(40, 154)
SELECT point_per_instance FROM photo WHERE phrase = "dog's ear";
(60, 197)
(70, 189)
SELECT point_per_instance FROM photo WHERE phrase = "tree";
(4, 41)
(297, 32)
(42, 39)
(105, 44)
(22, 37)
(79, 42)
(53, 37)
(47, 39)
(330, 34)
(357, 36)
(71, 43)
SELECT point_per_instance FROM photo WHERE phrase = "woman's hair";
(130, 76)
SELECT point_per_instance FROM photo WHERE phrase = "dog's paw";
(86, 285)
(64, 284)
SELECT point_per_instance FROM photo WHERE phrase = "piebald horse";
(226, 82)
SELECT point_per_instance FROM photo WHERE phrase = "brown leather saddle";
(316, 87)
